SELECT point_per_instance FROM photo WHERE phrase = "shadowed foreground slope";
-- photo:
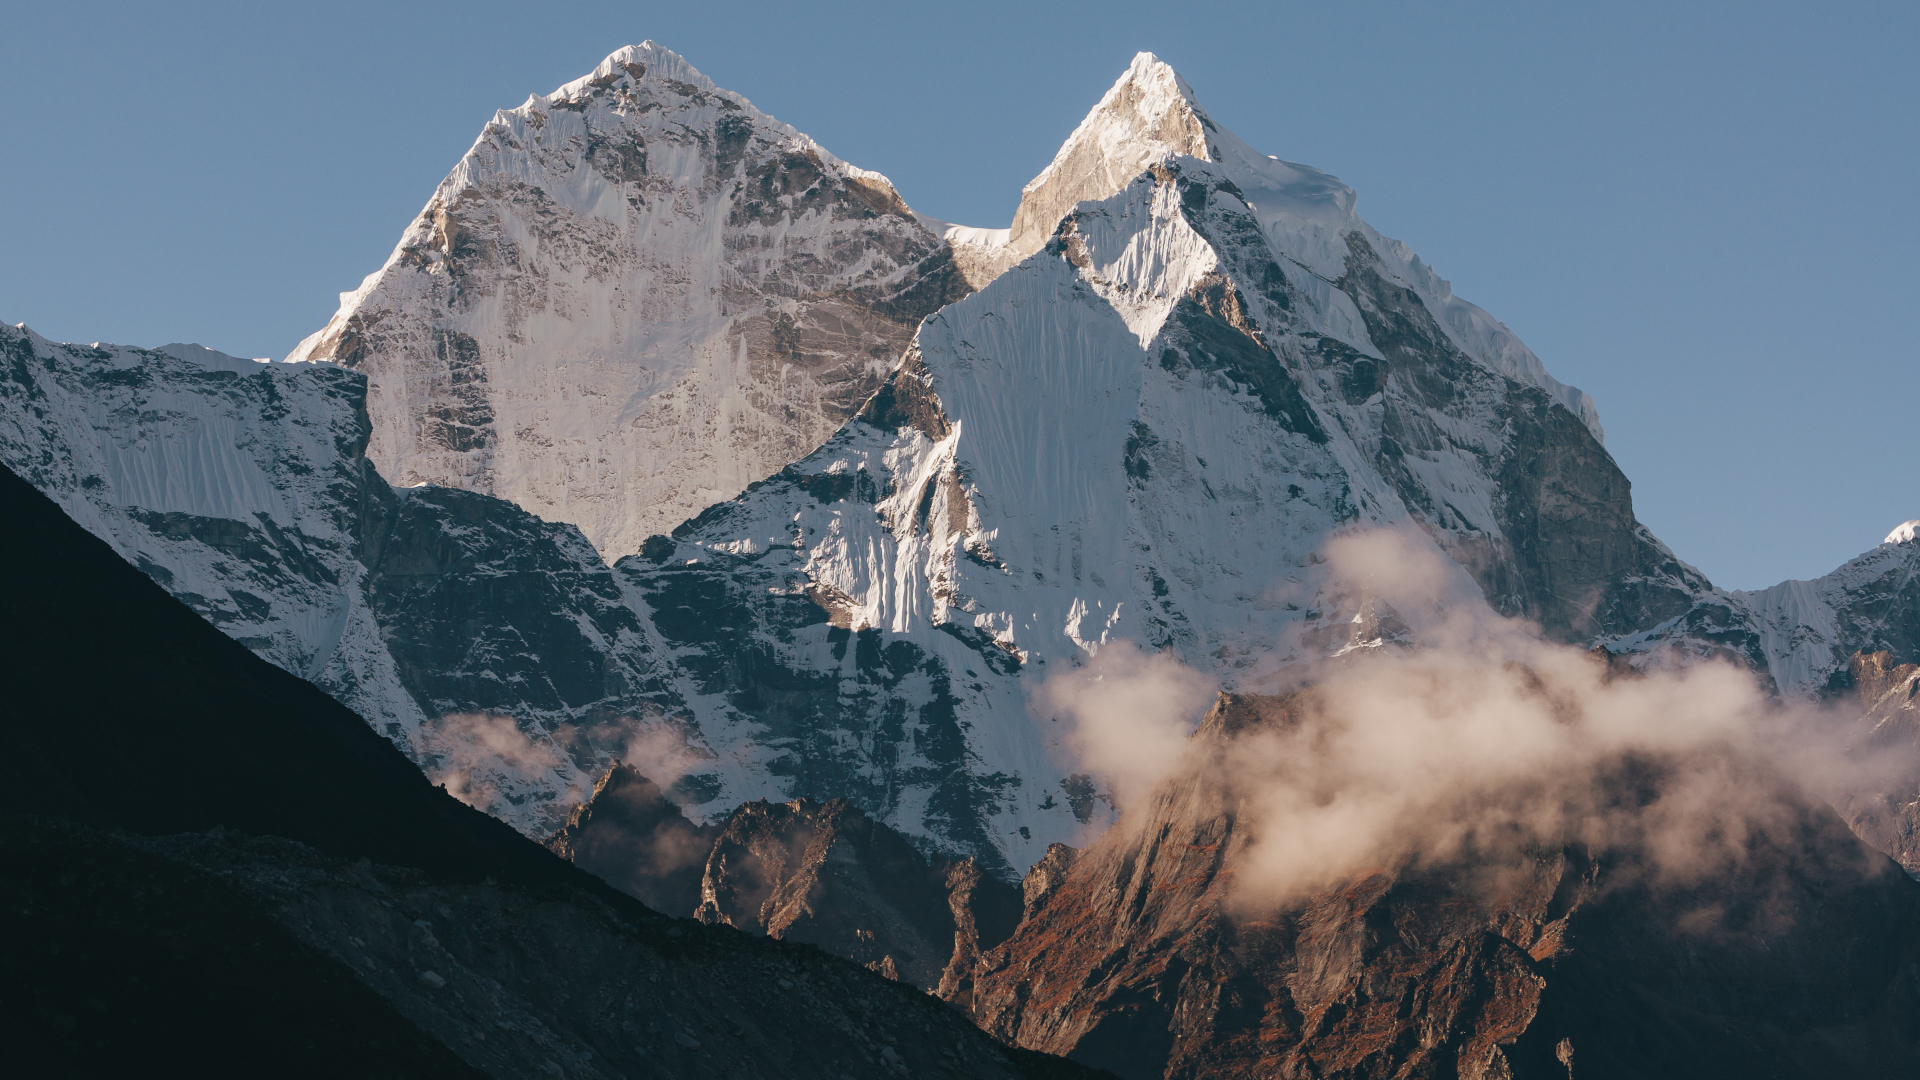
(247, 880)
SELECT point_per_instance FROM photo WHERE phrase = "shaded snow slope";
(475, 636)
(630, 299)
(1810, 629)
(233, 483)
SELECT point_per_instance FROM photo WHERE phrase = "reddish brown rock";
(1884, 809)
(827, 874)
(1550, 963)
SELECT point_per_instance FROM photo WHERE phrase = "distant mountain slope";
(633, 297)
(1809, 629)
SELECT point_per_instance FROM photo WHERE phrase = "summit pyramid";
(631, 298)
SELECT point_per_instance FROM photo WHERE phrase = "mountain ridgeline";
(668, 445)
(1141, 422)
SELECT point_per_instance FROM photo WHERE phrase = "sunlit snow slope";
(633, 297)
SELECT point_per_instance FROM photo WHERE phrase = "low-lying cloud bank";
(488, 760)
(1448, 734)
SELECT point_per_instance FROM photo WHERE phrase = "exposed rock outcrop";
(827, 874)
(1884, 805)
(630, 835)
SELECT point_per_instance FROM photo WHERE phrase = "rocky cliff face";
(1882, 805)
(821, 873)
(1146, 958)
(630, 835)
(829, 875)
(633, 297)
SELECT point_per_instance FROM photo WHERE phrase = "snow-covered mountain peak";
(632, 298)
(1148, 115)
(1151, 115)
(633, 63)
(1904, 533)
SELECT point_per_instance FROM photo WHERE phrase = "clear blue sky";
(1703, 215)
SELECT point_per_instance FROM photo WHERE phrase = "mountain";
(1152, 954)
(631, 298)
(873, 486)
(1147, 430)
(1809, 630)
(214, 865)
(1183, 370)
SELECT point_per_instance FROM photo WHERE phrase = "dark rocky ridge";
(1137, 961)
(821, 873)
(334, 898)
(632, 836)
(118, 958)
